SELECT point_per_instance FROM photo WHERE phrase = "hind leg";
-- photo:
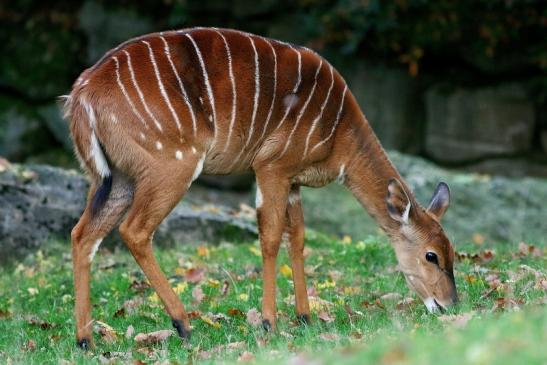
(155, 197)
(86, 237)
(295, 229)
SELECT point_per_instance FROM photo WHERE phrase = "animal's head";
(425, 254)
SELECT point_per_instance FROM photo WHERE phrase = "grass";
(506, 325)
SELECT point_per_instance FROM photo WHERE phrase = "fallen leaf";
(254, 317)
(406, 303)
(130, 331)
(33, 321)
(325, 317)
(4, 314)
(107, 333)
(457, 320)
(225, 287)
(233, 312)
(197, 294)
(195, 276)
(194, 314)
(203, 251)
(152, 337)
(243, 297)
(30, 345)
(139, 286)
(286, 271)
(329, 337)
(246, 356)
(478, 238)
(526, 249)
(181, 287)
(32, 291)
(391, 296)
(210, 322)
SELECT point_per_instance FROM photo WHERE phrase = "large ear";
(440, 200)
(397, 201)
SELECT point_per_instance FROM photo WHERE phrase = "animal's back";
(237, 97)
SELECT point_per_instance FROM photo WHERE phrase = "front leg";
(271, 205)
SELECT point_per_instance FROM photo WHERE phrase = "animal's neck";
(368, 174)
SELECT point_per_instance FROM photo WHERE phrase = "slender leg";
(295, 229)
(154, 199)
(271, 223)
(86, 237)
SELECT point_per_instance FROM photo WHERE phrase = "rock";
(22, 132)
(52, 116)
(387, 97)
(500, 209)
(107, 28)
(39, 203)
(466, 124)
(40, 52)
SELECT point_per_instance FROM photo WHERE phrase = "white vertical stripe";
(124, 92)
(274, 91)
(181, 85)
(318, 118)
(335, 122)
(206, 79)
(296, 86)
(304, 107)
(161, 86)
(234, 92)
(141, 96)
(257, 92)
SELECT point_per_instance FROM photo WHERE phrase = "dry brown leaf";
(391, 296)
(107, 333)
(195, 276)
(325, 317)
(30, 345)
(152, 337)
(246, 356)
(225, 287)
(457, 320)
(130, 331)
(234, 312)
(329, 337)
(254, 317)
(197, 294)
(406, 303)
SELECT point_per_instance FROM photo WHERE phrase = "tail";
(88, 148)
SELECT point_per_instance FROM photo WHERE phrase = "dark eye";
(432, 257)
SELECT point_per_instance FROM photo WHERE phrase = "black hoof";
(267, 325)
(181, 330)
(83, 344)
(303, 319)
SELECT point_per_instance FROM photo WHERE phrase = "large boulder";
(388, 98)
(40, 203)
(465, 125)
(499, 209)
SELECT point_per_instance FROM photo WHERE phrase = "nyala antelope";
(159, 110)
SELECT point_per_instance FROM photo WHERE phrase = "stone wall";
(495, 127)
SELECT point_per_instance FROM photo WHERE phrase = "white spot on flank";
(199, 168)
(178, 155)
(201, 100)
(210, 118)
(258, 197)
(94, 249)
(288, 100)
(113, 119)
(341, 175)
(194, 149)
(181, 85)
(142, 136)
(294, 198)
(302, 110)
(159, 146)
